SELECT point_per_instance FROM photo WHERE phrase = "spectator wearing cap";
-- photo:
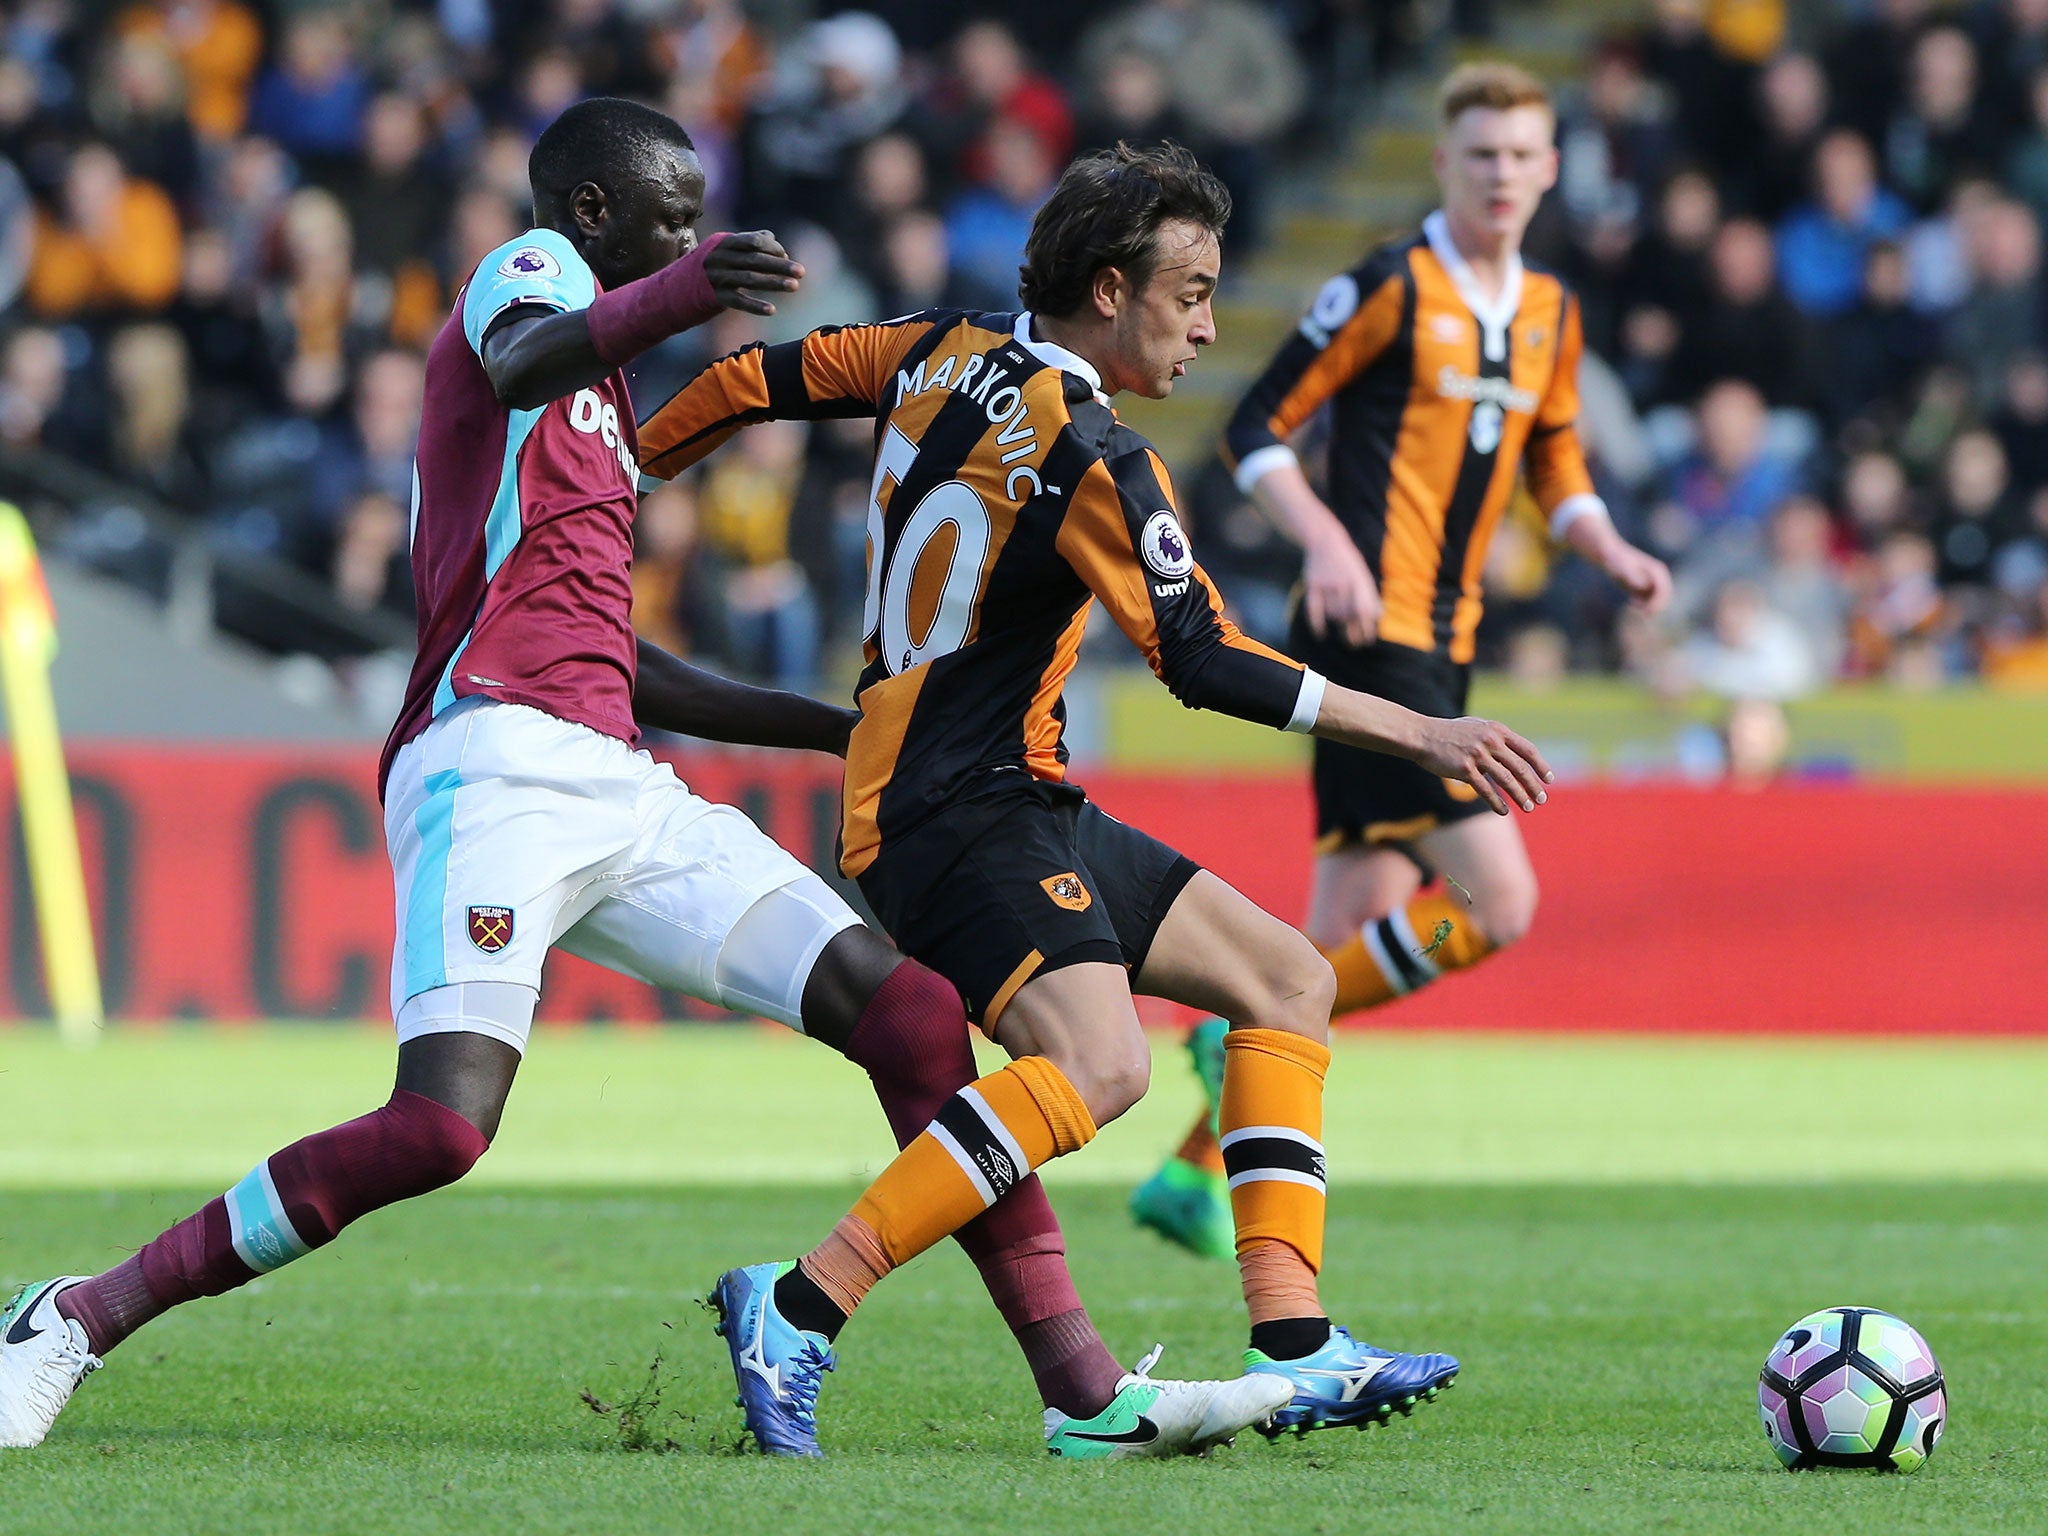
(1823, 244)
(1235, 80)
(844, 88)
(114, 247)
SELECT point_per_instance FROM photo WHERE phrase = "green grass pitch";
(1609, 1233)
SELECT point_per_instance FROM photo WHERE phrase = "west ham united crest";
(490, 928)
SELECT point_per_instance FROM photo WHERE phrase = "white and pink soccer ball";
(1852, 1387)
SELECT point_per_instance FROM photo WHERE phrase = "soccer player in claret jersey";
(518, 815)
(1007, 499)
(1451, 367)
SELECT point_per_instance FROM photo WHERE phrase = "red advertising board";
(241, 884)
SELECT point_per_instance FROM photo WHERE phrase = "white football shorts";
(511, 830)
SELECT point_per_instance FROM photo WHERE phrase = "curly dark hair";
(1106, 212)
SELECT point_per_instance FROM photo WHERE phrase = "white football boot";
(1165, 1418)
(43, 1358)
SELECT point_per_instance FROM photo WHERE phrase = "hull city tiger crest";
(490, 928)
(1068, 891)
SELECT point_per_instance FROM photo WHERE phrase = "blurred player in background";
(1451, 369)
(1007, 500)
(519, 817)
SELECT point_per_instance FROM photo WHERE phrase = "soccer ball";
(1852, 1387)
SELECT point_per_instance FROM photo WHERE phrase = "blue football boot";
(777, 1366)
(1349, 1385)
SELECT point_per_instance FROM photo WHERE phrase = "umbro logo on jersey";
(1067, 891)
(490, 928)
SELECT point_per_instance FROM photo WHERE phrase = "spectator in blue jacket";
(1823, 244)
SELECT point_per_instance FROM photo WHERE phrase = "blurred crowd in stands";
(1808, 242)
(228, 230)
(1807, 239)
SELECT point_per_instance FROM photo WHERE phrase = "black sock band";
(1285, 1338)
(804, 1303)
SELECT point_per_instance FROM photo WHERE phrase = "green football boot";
(1189, 1206)
(1182, 1203)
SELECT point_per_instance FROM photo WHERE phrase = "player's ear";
(588, 206)
(1107, 292)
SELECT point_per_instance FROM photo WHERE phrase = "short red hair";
(1499, 87)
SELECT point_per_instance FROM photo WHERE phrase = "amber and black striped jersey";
(1439, 398)
(1006, 498)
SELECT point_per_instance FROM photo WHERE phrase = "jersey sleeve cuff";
(1308, 703)
(1571, 509)
(1260, 462)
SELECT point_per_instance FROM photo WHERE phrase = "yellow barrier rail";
(28, 644)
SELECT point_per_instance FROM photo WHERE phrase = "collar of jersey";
(1055, 356)
(1495, 317)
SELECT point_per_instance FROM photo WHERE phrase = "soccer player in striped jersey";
(1450, 367)
(519, 817)
(1007, 501)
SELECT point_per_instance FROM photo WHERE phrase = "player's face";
(650, 223)
(1159, 327)
(1494, 168)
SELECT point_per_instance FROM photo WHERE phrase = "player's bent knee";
(1506, 916)
(433, 1144)
(1110, 1081)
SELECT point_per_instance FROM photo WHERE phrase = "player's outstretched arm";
(671, 695)
(534, 354)
(1485, 754)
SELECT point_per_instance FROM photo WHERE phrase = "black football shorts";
(1018, 877)
(1373, 797)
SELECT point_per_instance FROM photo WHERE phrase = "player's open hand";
(1643, 576)
(1485, 754)
(1338, 592)
(741, 268)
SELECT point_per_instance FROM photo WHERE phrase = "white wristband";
(1571, 509)
(1260, 462)
(1308, 703)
